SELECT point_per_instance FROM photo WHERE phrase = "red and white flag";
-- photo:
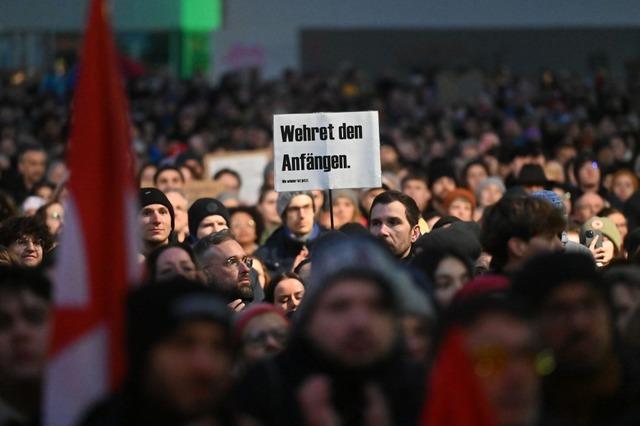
(97, 254)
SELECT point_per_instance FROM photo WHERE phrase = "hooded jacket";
(269, 391)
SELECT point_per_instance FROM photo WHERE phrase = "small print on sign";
(326, 151)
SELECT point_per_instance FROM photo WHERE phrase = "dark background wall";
(525, 50)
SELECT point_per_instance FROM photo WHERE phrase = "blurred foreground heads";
(593, 382)
(262, 331)
(25, 326)
(180, 352)
(487, 360)
(345, 361)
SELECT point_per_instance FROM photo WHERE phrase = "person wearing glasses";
(227, 267)
(294, 240)
(491, 344)
(52, 214)
(261, 330)
(27, 239)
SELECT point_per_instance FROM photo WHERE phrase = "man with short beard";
(227, 268)
(594, 382)
(31, 168)
(442, 180)
(345, 362)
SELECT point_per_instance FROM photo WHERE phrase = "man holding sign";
(317, 151)
(297, 234)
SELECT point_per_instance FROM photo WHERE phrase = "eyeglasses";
(259, 338)
(25, 241)
(234, 261)
(491, 361)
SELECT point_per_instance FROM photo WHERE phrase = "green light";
(200, 15)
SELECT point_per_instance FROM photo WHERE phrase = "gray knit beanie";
(284, 198)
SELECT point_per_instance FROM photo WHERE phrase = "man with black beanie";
(206, 216)
(156, 218)
(180, 359)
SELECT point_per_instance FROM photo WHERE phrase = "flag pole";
(331, 208)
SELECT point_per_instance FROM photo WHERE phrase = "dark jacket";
(13, 184)
(124, 409)
(280, 250)
(609, 396)
(268, 392)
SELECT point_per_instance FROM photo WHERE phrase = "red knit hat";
(459, 193)
(252, 312)
(480, 286)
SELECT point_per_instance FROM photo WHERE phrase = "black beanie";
(155, 311)
(150, 196)
(202, 208)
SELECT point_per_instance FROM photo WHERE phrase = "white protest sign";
(326, 151)
(248, 164)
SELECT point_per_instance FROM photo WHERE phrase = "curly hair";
(14, 228)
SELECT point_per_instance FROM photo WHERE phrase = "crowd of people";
(493, 278)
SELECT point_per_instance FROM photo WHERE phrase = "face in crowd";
(54, 218)
(27, 250)
(210, 225)
(419, 191)
(244, 228)
(588, 206)
(462, 209)
(299, 215)
(173, 262)
(190, 370)
(25, 328)
(268, 208)
(180, 208)
(503, 354)
(288, 294)
(156, 224)
(32, 166)
(449, 277)
(229, 182)
(226, 266)
(575, 323)
(389, 223)
(344, 211)
(264, 335)
(169, 179)
(353, 323)
(441, 187)
(589, 175)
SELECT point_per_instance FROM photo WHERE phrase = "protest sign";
(249, 165)
(326, 151)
